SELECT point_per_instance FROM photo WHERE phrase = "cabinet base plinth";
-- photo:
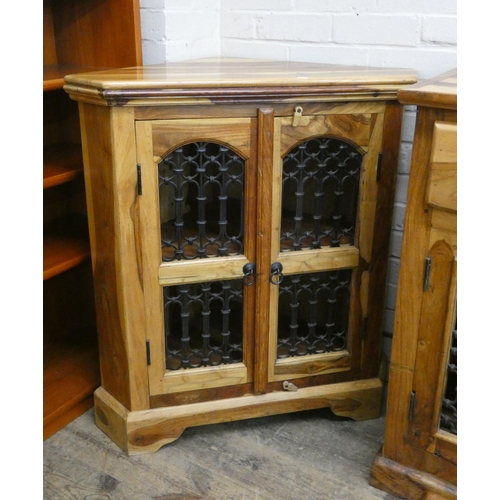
(408, 483)
(145, 431)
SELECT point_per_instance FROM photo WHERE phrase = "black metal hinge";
(139, 179)
(148, 353)
(427, 273)
(379, 166)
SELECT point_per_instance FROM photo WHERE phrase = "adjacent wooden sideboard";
(239, 214)
(419, 456)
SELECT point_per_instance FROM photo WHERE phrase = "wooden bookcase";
(77, 36)
(419, 457)
(240, 215)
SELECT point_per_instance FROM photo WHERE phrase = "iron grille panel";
(201, 190)
(203, 324)
(448, 420)
(313, 313)
(320, 194)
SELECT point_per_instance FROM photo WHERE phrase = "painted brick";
(442, 29)
(427, 60)
(393, 271)
(398, 219)
(421, 7)
(396, 244)
(405, 152)
(152, 26)
(153, 52)
(182, 50)
(401, 188)
(330, 54)
(253, 5)
(374, 29)
(255, 49)
(387, 346)
(158, 4)
(334, 5)
(191, 25)
(388, 323)
(391, 295)
(237, 25)
(299, 28)
(408, 126)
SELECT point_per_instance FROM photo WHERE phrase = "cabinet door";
(323, 217)
(197, 224)
(433, 415)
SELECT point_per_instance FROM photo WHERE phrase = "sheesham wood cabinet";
(77, 36)
(239, 215)
(419, 456)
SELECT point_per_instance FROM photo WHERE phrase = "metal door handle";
(249, 274)
(276, 274)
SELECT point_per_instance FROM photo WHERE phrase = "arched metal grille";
(320, 194)
(313, 313)
(201, 189)
(448, 420)
(203, 324)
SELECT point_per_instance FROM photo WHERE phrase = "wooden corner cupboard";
(419, 457)
(239, 215)
(77, 36)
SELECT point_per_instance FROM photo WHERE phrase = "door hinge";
(427, 273)
(139, 179)
(412, 406)
(148, 353)
(379, 166)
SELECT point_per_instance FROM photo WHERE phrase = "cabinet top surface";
(244, 75)
(439, 92)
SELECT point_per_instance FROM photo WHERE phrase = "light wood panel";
(144, 432)
(230, 79)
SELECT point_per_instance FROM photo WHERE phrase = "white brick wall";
(418, 34)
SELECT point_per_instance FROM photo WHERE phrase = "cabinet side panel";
(108, 142)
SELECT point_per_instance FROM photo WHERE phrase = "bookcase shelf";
(77, 37)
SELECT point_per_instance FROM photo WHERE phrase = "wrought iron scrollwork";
(203, 324)
(313, 313)
(201, 189)
(320, 194)
(448, 420)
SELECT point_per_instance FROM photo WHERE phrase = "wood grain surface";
(307, 455)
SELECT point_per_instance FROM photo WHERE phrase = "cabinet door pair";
(256, 243)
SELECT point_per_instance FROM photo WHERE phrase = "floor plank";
(303, 456)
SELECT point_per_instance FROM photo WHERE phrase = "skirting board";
(145, 431)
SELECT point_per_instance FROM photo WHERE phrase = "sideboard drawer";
(442, 188)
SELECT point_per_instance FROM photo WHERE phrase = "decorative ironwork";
(201, 189)
(313, 313)
(448, 420)
(320, 194)
(203, 324)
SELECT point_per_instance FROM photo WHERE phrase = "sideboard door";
(323, 220)
(196, 203)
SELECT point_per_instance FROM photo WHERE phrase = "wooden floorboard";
(303, 456)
